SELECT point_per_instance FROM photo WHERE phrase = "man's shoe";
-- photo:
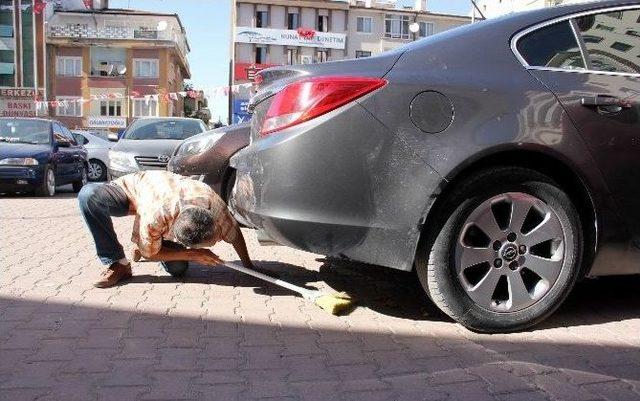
(114, 274)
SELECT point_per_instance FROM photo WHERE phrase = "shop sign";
(106, 122)
(290, 37)
(18, 102)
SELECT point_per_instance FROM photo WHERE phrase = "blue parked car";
(36, 155)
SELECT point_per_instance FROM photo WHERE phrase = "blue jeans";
(98, 203)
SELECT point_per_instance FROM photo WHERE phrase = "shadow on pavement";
(399, 294)
(57, 351)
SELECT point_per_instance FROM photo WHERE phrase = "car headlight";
(197, 144)
(121, 161)
(19, 161)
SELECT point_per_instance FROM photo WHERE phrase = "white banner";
(288, 37)
(106, 122)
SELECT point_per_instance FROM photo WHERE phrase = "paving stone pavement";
(219, 335)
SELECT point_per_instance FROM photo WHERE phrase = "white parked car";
(98, 145)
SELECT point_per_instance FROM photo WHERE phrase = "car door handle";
(606, 104)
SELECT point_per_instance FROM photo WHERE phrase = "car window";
(58, 136)
(163, 129)
(67, 134)
(552, 46)
(612, 40)
(25, 131)
(80, 138)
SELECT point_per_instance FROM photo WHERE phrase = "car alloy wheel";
(51, 182)
(503, 250)
(510, 252)
(95, 171)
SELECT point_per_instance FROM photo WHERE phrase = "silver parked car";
(97, 145)
(496, 159)
(148, 143)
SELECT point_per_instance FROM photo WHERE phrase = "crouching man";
(176, 219)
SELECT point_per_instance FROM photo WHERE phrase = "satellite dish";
(162, 25)
(415, 27)
(122, 69)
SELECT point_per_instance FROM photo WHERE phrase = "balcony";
(84, 31)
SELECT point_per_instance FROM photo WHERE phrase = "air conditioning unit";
(306, 59)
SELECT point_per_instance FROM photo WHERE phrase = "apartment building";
(22, 57)
(278, 32)
(495, 8)
(379, 26)
(117, 61)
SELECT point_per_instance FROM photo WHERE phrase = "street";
(220, 335)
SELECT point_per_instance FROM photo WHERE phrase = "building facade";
(123, 64)
(495, 8)
(376, 27)
(280, 32)
(22, 57)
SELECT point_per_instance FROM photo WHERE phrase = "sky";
(207, 23)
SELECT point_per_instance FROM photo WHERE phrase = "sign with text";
(241, 111)
(290, 37)
(18, 102)
(106, 122)
(248, 71)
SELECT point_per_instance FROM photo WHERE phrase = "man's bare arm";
(241, 249)
(202, 256)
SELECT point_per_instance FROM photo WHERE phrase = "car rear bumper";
(338, 185)
(20, 179)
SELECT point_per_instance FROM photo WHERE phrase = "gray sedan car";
(496, 159)
(148, 143)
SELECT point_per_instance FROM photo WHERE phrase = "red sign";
(247, 71)
(306, 33)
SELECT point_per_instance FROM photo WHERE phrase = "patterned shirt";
(157, 197)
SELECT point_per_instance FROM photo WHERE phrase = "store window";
(261, 55)
(262, 19)
(292, 56)
(426, 29)
(362, 53)
(145, 68)
(293, 21)
(322, 56)
(396, 26)
(69, 66)
(323, 23)
(364, 24)
(111, 108)
(145, 108)
(69, 106)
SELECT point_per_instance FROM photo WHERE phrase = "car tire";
(176, 269)
(458, 266)
(77, 185)
(96, 170)
(48, 186)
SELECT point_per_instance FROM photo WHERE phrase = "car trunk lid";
(273, 80)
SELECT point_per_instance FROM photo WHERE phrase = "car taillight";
(309, 98)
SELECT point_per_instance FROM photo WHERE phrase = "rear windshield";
(164, 129)
(24, 131)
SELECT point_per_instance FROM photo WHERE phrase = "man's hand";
(204, 257)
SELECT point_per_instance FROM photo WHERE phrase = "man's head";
(193, 226)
